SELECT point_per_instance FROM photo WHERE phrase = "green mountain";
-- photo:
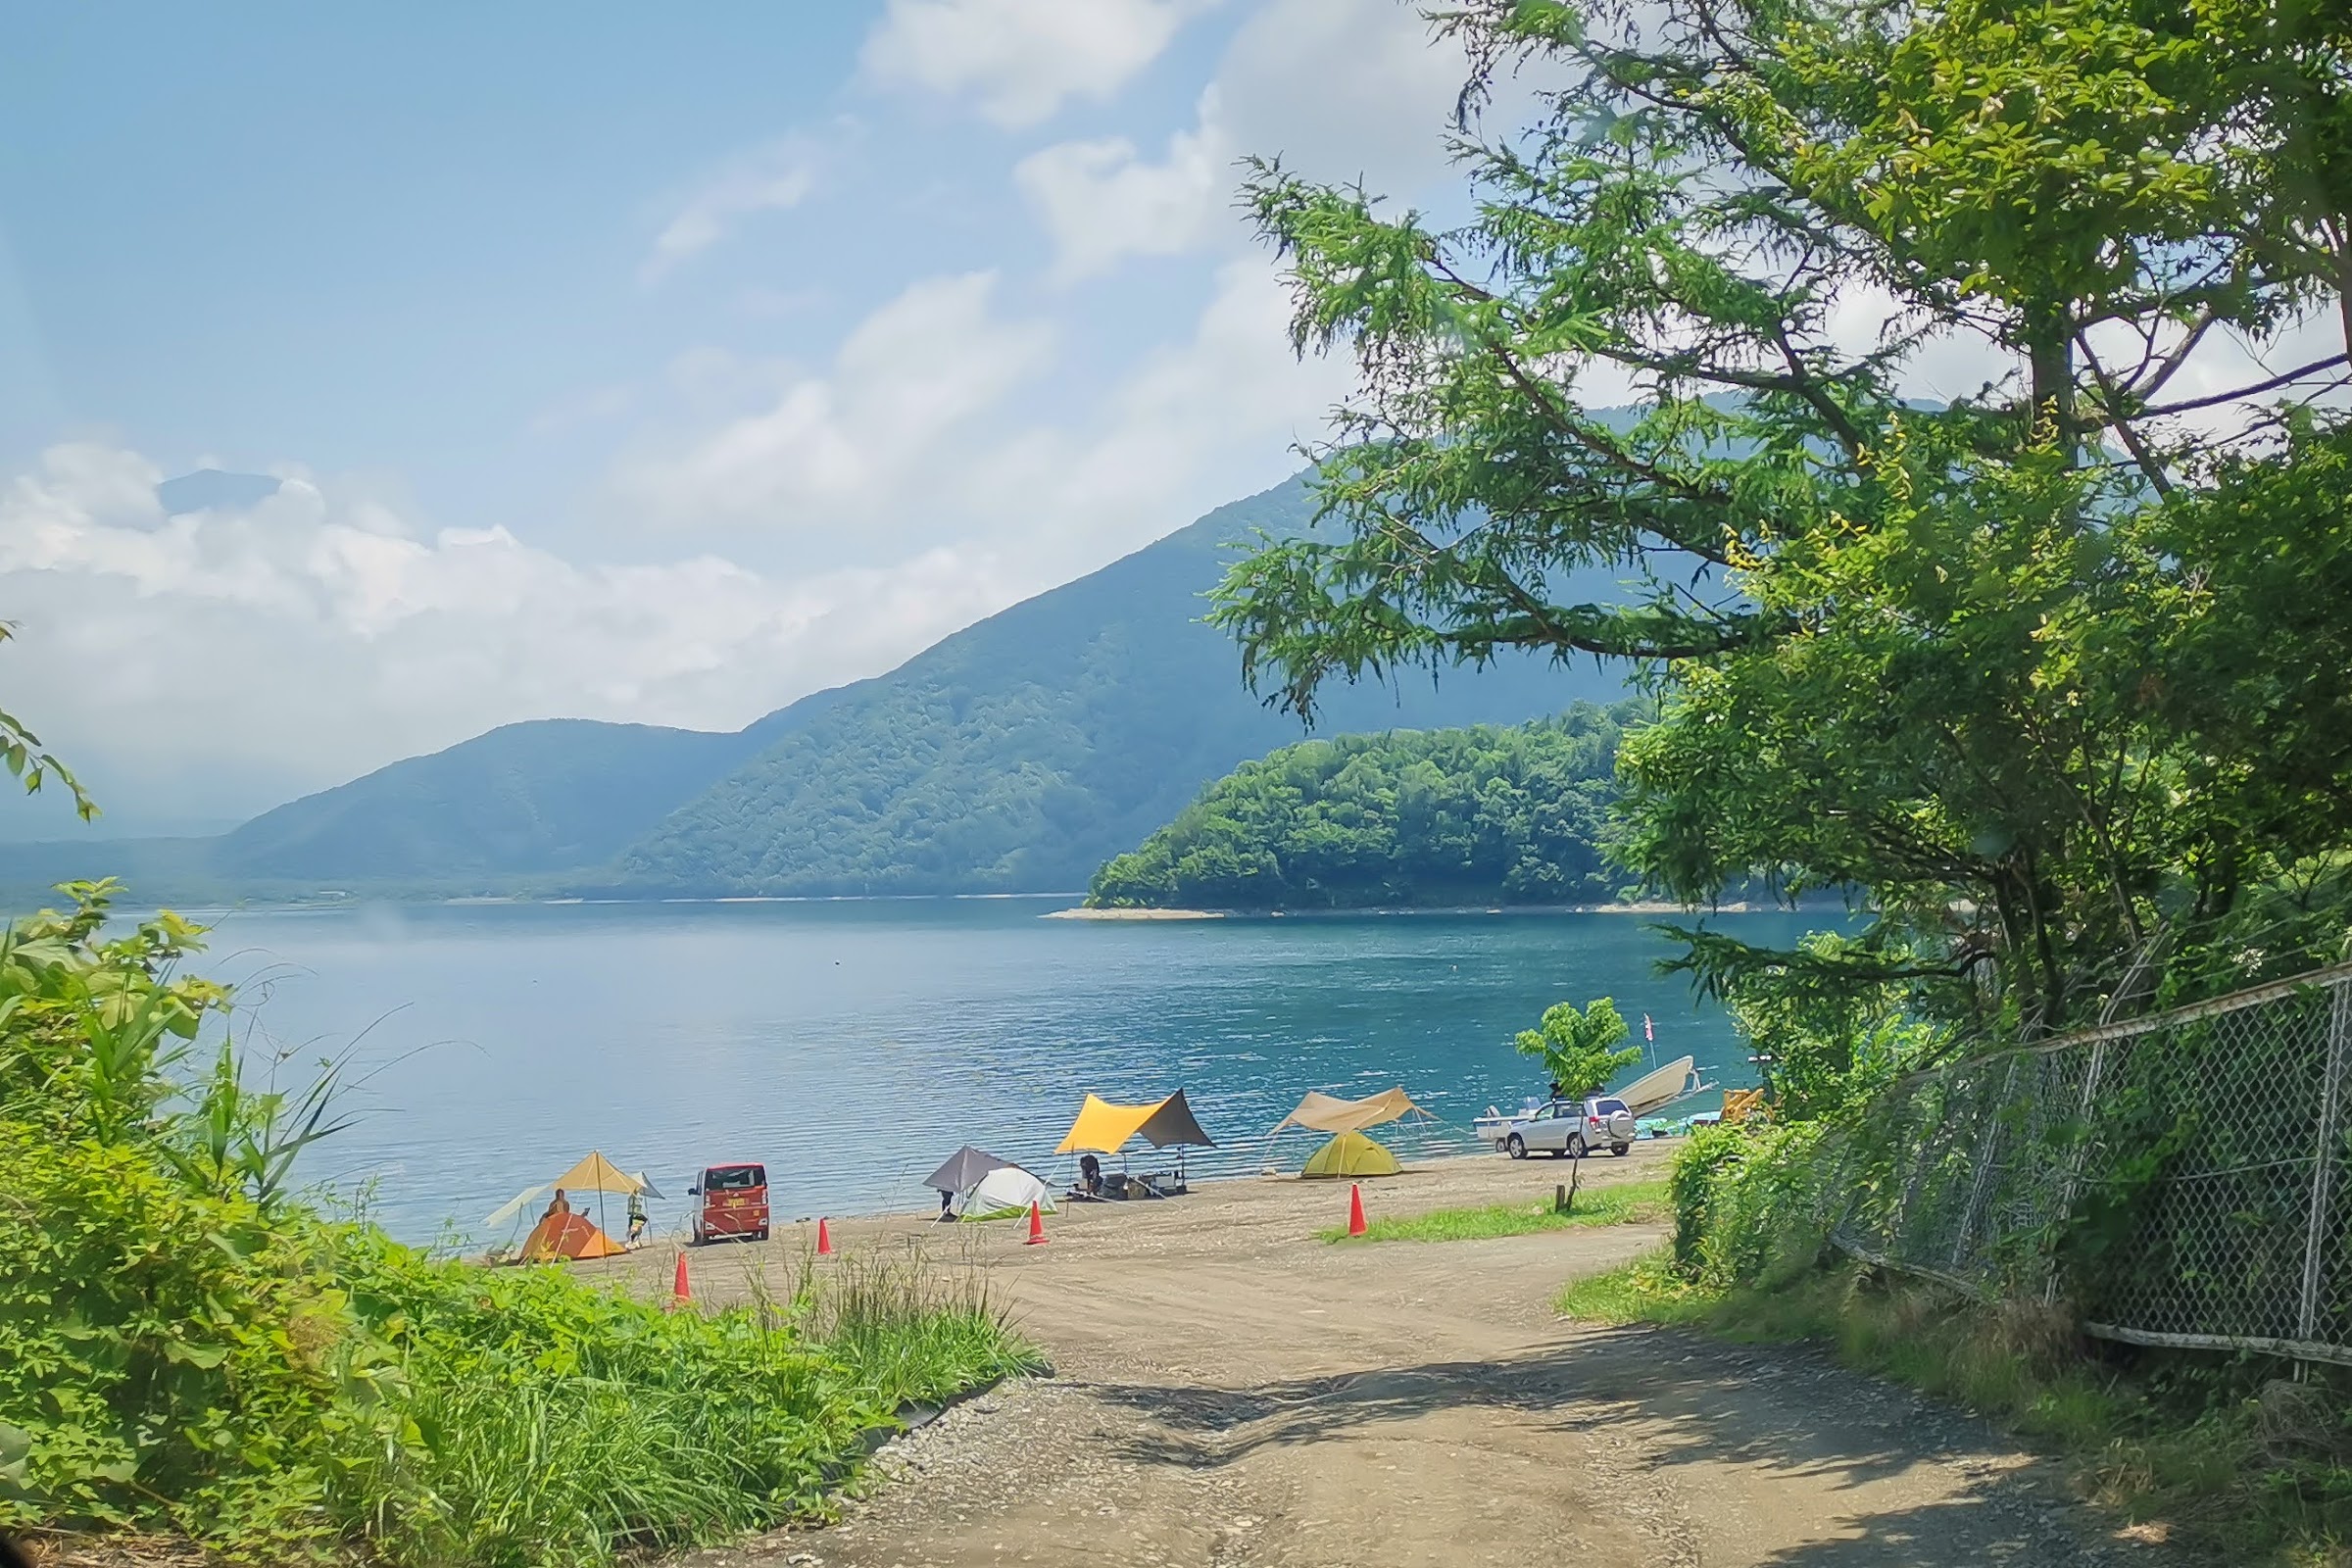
(1020, 752)
(548, 795)
(1483, 816)
(1014, 756)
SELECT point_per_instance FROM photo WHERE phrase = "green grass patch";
(1617, 1203)
(2171, 1443)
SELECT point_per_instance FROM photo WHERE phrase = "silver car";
(1574, 1128)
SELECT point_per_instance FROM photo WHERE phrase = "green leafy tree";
(1578, 1048)
(2025, 674)
(1429, 817)
(21, 752)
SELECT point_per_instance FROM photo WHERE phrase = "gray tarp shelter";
(963, 1170)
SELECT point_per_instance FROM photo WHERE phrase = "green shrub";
(1750, 1203)
(160, 1352)
(186, 1349)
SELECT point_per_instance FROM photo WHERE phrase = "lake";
(852, 1045)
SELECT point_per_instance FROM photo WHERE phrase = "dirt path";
(1230, 1391)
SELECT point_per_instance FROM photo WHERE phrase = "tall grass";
(545, 1422)
(914, 1331)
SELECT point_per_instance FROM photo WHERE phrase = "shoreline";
(1430, 1165)
(1637, 907)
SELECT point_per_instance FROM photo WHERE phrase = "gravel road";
(1228, 1390)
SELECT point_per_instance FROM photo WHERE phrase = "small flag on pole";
(1649, 1030)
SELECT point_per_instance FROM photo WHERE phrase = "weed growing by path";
(2173, 1446)
(1618, 1203)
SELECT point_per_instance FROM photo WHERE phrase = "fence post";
(2322, 1157)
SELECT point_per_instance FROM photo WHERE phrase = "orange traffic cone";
(824, 1239)
(679, 1295)
(1036, 1228)
(1355, 1210)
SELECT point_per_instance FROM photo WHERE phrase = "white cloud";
(1338, 89)
(770, 179)
(1198, 423)
(316, 635)
(1021, 60)
(1100, 201)
(911, 378)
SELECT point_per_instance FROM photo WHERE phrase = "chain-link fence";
(2181, 1180)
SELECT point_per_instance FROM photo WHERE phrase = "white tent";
(1003, 1193)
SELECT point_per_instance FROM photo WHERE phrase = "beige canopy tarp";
(1105, 1128)
(1326, 1114)
(597, 1174)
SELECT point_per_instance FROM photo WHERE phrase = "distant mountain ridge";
(1015, 755)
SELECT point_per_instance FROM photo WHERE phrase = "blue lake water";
(852, 1045)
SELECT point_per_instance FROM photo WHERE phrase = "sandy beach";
(1231, 1390)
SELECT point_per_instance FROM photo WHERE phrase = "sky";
(649, 364)
(660, 365)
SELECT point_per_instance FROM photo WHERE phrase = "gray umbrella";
(965, 1167)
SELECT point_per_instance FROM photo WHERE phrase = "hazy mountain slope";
(1023, 752)
(546, 796)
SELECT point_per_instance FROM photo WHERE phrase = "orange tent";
(567, 1235)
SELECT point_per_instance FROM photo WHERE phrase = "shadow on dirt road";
(1232, 1391)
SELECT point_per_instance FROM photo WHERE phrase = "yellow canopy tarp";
(567, 1235)
(597, 1174)
(1105, 1128)
(1327, 1115)
(1351, 1154)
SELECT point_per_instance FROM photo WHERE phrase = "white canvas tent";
(1003, 1193)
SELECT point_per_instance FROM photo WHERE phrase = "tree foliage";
(1409, 817)
(1578, 1049)
(22, 753)
(2037, 674)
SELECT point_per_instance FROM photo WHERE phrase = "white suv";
(1574, 1128)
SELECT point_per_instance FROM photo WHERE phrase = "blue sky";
(654, 365)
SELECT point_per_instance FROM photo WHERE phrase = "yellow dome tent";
(1350, 1154)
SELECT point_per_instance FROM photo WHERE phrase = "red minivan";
(734, 1203)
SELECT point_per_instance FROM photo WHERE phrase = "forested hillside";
(1021, 752)
(1482, 816)
(540, 797)
(1014, 756)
